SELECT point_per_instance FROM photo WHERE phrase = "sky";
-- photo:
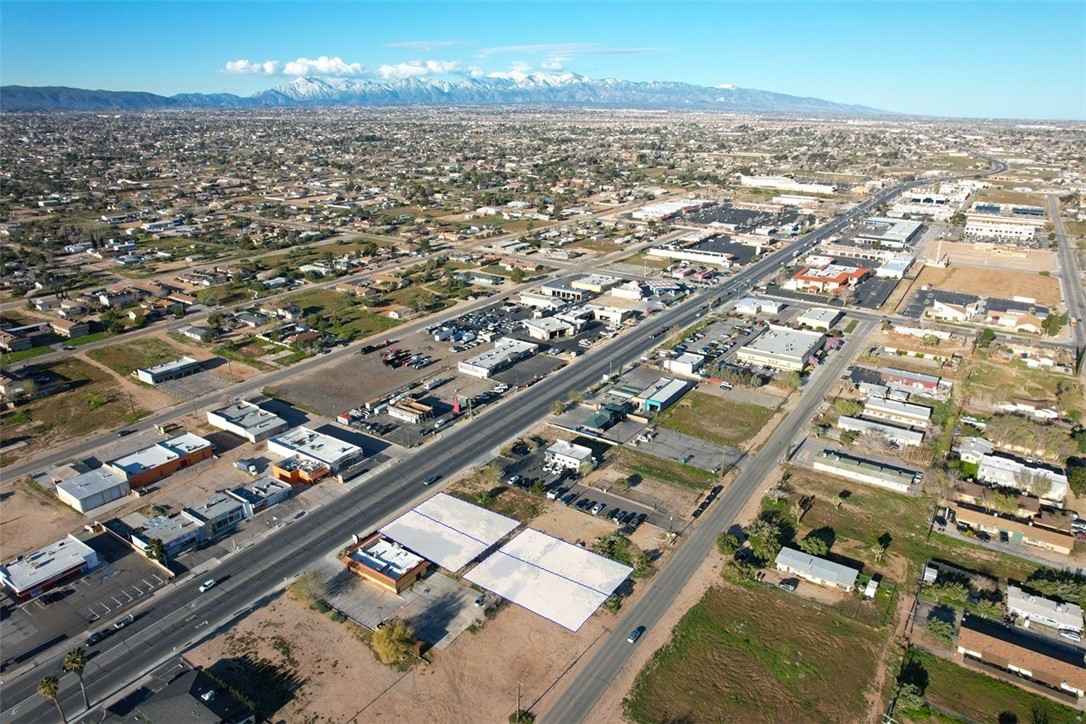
(992, 59)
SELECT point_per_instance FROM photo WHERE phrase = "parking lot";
(688, 450)
(123, 580)
(198, 385)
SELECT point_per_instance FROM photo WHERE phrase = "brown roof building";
(1045, 538)
(1051, 665)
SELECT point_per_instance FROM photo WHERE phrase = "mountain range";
(497, 89)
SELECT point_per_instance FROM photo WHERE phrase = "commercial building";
(316, 447)
(595, 283)
(262, 493)
(177, 532)
(752, 306)
(31, 575)
(827, 279)
(563, 291)
(93, 489)
(247, 420)
(686, 363)
(218, 514)
(891, 233)
(385, 562)
(1008, 472)
(569, 455)
(819, 318)
(781, 348)
(297, 470)
(614, 309)
(161, 459)
(506, 353)
(663, 210)
(699, 256)
(410, 410)
(785, 183)
(1038, 609)
(547, 328)
(899, 413)
(816, 570)
(1056, 541)
(1002, 228)
(172, 370)
(1022, 655)
(866, 471)
(660, 394)
(898, 436)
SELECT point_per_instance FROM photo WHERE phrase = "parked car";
(567, 498)
(515, 479)
(598, 508)
(97, 636)
(789, 584)
(1070, 634)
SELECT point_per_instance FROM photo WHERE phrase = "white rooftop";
(317, 446)
(42, 565)
(449, 531)
(817, 567)
(91, 483)
(1066, 615)
(822, 315)
(247, 416)
(559, 581)
(170, 366)
(778, 340)
(159, 454)
(386, 557)
(577, 452)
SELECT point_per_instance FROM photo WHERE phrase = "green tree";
(939, 629)
(517, 275)
(987, 336)
(764, 537)
(814, 545)
(520, 716)
(1003, 502)
(309, 587)
(728, 543)
(156, 550)
(909, 698)
(48, 687)
(1076, 478)
(558, 407)
(790, 380)
(393, 642)
(75, 662)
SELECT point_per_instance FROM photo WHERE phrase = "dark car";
(789, 584)
(431, 480)
(641, 518)
(635, 634)
(97, 637)
(122, 433)
(981, 535)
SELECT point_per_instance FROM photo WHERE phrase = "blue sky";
(996, 59)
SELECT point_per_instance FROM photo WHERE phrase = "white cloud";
(726, 86)
(245, 67)
(423, 68)
(323, 65)
(554, 63)
(425, 44)
(565, 50)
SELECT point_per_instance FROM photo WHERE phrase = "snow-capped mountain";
(510, 88)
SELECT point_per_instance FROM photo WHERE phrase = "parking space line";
(155, 576)
(138, 589)
(130, 599)
(115, 599)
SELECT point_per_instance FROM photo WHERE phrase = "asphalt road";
(612, 654)
(1074, 296)
(180, 616)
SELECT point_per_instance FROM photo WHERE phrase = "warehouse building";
(171, 370)
(889, 233)
(506, 353)
(660, 394)
(161, 459)
(866, 471)
(93, 489)
(177, 533)
(247, 420)
(819, 318)
(686, 363)
(410, 410)
(316, 447)
(548, 328)
(31, 575)
(781, 348)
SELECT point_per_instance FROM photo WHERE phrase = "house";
(197, 333)
(70, 329)
(980, 495)
(1047, 539)
(1038, 609)
(1038, 409)
(909, 380)
(816, 570)
(972, 449)
(289, 312)
(1009, 472)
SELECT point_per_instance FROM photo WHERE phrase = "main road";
(181, 616)
(1074, 296)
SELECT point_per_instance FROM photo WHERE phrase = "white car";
(208, 585)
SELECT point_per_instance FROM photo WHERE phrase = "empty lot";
(715, 419)
(992, 282)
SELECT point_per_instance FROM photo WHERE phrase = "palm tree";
(75, 661)
(48, 687)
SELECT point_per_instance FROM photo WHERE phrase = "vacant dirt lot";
(992, 282)
(30, 519)
(789, 662)
(715, 419)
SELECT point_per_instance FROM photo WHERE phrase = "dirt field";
(789, 662)
(992, 283)
(995, 255)
(30, 520)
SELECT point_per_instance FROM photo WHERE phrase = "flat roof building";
(1031, 608)
(31, 575)
(161, 459)
(506, 353)
(172, 370)
(1008, 472)
(177, 532)
(816, 570)
(897, 412)
(686, 363)
(317, 447)
(219, 513)
(410, 410)
(93, 489)
(909, 380)
(547, 328)
(781, 348)
(893, 233)
(660, 394)
(819, 318)
(385, 562)
(569, 455)
(262, 493)
(865, 471)
(1056, 541)
(247, 420)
